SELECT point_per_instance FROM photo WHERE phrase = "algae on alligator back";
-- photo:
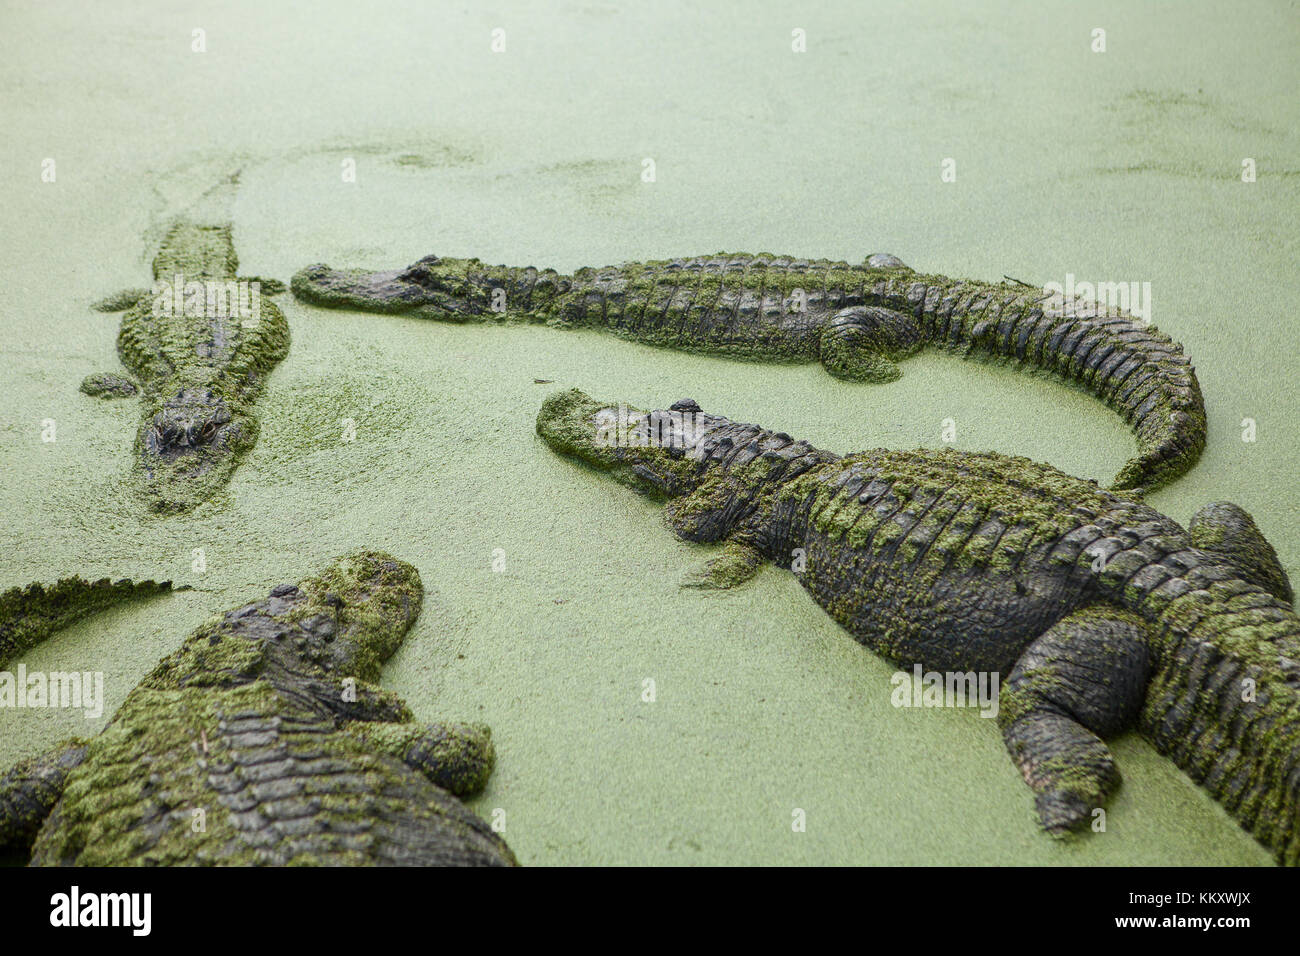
(1102, 613)
(858, 321)
(267, 727)
(200, 344)
(30, 615)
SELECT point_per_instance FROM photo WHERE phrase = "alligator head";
(342, 623)
(665, 453)
(434, 287)
(188, 420)
(350, 619)
(190, 445)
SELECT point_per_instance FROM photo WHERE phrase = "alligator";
(1101, 613)
(263, 740)
(857, 320)
(200, 344)
(30, 615)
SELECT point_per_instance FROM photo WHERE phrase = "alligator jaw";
(176, 484)
(569, 421)
(355, 289)
(651, 452)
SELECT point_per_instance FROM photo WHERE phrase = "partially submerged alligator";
(30, 615)
(1103, 612)
(200, 343)
(857, 320)
(263, 741)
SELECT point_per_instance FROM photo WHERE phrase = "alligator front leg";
(863, 343)
(736, 564)
(1082, 680)
(708, 515)
(111, 384)
(265, 286)
(108, 385)
(30, 790)
(456, 757)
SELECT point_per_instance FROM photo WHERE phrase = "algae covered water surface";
(554, 593)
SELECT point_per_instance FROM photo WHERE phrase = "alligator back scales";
(263, 741)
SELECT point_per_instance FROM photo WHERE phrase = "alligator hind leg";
(737, 563)
(30, 790)
(1082, 680)
(108, 385)
(863, 343)
(1230, 532)
(456, 757)
(121, 301)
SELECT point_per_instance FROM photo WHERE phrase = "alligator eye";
(209, 430)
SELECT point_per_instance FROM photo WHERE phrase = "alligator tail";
(1170, 424)
(1136, 370)
(199, 243)
(1133, 367)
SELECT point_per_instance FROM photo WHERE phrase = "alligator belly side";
(971, 619)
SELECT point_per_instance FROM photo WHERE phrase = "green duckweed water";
(1123, 165)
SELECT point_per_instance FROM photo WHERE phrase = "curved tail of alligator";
(30, 615)
(1139, 371)
(857, 320)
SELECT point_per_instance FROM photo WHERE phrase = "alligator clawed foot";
(108, 385)
(736, 564)
(1063, 812)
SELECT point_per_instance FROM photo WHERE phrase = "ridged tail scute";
(1224, 697)
(1144, 375)
(29, 615)
(1133, 367)
(1168, 414)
